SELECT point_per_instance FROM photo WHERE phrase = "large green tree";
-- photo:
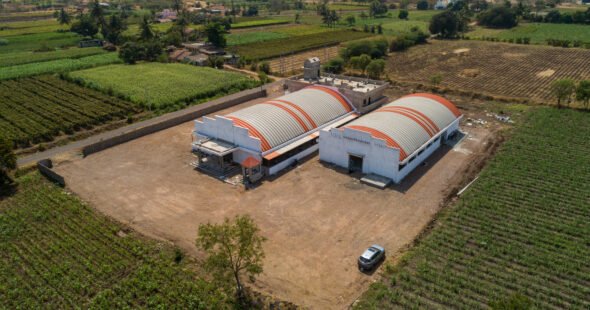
(563, 90)
(234, 249)
(583, 92)
(63, 17)
(85, 26)
(216, 34)
(146, 32)
(446, 24)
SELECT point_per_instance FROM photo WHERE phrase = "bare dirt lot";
(497, 69)
(317, 219)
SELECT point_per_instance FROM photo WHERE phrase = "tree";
(115, 26)
(539, 5)
(350, 20)
(553, 16)
(85, 26)
(330, 18)
(445, 24)
(334, 65)
(216, 34)
(377, 8)
(375, 68)
(563, 90)
(234, 249)
(7, 163)
(583, 92)
(498, 17)
(146, 33)
(360, 62)
(403, 14)
(422, 5)
(63, 17)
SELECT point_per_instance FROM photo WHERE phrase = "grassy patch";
(520, 232)
(258, 23)
(32, 42)
(56, 252)
(12, 59)
(159, 85)
(37, 109)
(538, 32)
(252, 37)
(57, 66)
(31, 27)
(285, 46)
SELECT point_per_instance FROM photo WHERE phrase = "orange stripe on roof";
(298, 108)
(426, 118)
(417, 118)
(440, 100)
(412, 117)
(334, 94)
(380, 135)
(295, 116)
(252, 131)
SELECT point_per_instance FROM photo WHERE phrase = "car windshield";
(369, 254)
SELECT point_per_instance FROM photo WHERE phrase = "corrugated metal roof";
(409, 122)
(279, 120)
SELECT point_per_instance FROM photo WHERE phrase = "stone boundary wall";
(176, 118)
(45, 167)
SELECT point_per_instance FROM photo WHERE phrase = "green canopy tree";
(63, 17)
(146, 32)
(360, 62)
(216, 34)
(85, 26)
(583, 92)
(563, 90)
(446, 24)
(234, 249)
(375, 68)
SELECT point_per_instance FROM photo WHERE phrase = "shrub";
(264, 67)
(335, 65)
(374, 48)
(422, 5)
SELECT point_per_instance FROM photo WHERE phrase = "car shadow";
(375, 268)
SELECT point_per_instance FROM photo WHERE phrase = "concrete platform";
(376, 181)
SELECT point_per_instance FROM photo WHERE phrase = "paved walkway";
(79, 145)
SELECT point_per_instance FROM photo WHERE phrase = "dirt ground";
(317, 219)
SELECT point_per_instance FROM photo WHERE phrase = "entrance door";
(355, 164)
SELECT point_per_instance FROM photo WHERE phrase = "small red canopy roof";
(250, 162)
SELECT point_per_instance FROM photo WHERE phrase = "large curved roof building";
(280, 120)
(393, 139)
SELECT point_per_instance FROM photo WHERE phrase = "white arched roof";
(277, 121)
(409, 122)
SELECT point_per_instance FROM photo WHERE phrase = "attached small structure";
(392, 140)
(268, 137)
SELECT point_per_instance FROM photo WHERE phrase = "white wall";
(336, 145)
(223, 129)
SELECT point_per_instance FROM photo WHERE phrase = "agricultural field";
(521, 232)
(539, 33)
(38, 109)
(495, 69)
(157, 85)
(57, 66)
(19, 58)
(31, 27)
(56, 252)
(348, 6)
(292, 64)
(32, 42)
(247, 37)
(276, 48)
(258, 23)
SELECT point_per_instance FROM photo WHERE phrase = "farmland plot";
(19, 58)
(37, 109)
(522, 229)
(31, 42)
(497, 69)
(159, 85)
(56, 253)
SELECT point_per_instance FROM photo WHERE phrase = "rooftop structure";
(392, 140)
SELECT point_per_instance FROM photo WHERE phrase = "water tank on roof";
(311, 69)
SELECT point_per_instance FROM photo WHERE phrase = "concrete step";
(376, 181)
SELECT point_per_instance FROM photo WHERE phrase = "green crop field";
(537, 32)
(520, 232)
(57, 66)
(37, 109)
(258, 23)
(252, 37)
(19, 58)
(56, 253)
(159, 85)
(31, 27)
(276, 48)
(347, 7)
(32, 42)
